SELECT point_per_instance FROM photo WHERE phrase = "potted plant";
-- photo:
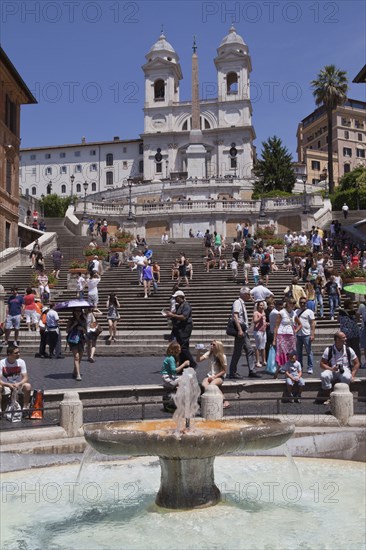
(265, 232)
(298, 250)
(123, 236)
(118, 246)
(276, 242)
(78, 266)
(91, 252)
(52, 281)
(356, 275)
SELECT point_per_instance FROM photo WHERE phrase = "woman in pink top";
(260, 334)
(30, 309)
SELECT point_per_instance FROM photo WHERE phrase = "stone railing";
(12, 257)
(187, 206)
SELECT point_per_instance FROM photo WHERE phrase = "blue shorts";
(12, 321)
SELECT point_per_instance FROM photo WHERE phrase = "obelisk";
(196, 152)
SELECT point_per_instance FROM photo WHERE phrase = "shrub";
(100, 252)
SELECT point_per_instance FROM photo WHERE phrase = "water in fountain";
(186, 399)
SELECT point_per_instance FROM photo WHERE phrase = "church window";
(185, 125)
(109, 178)
(159, 167)
(232, 83)
(159, 90)
(94, 186)
(207, 124)
(141, 166)
(109, 159)
(78, 188)
(63, 189)
(141, 148)
(233, 163)
(34, 190)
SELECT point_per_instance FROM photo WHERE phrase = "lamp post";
(72, 178)
(130, 184)
(42, 205)
(85, 185)
(304, 179)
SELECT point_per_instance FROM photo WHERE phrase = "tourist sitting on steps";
(13, 373)
(339, 363)
(171, 367)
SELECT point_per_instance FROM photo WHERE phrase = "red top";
(29, 302)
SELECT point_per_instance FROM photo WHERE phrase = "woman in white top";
(92, 284)
(218, 366)
(287, 325)
(92, 332)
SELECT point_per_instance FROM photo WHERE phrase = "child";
(234, 267)
(294, 379)
(255, 271)
(170, 368)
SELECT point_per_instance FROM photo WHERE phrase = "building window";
(33, 157)
(207, 125)
(232, 83)
(124, 165)
(93, 152)
(233, 163)
(141, 166)
(124, 149)
(359, 137)
(109, 178)
(109, 159)
(78, 188)
(159, 90)
(47, 156)
(34, 191)
(318, 144)
(63, 170)
(48, 171)
(62, 155)
(358, 124)
(77, 153)
(315, 165)
(347, 168)
(185, 125)
(347, 152)
(346, 134)
(63, 189)
(360, 153)
(33, 171)
(346, 122)
(141, 148)
(93, 168)
(7, 234)
(159, 167)
(78, 168)
(9, 169)
(94, 186)
(11, 115)
(315, 181)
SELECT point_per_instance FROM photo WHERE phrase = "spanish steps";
(142, 327)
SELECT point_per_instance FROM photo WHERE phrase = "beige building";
(349, 140)
(13, 94)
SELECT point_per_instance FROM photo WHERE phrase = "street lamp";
(85, 185)
(42, 205)
(130, 215)
(304, 179)
(72, 178)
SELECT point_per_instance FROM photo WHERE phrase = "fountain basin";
(186, 457)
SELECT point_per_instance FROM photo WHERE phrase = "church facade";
(160, 153)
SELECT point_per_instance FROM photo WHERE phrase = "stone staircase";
(141, 327)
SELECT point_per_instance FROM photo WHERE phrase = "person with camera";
(242, 340)
(339, 363)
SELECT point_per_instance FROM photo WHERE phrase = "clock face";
(158, 122)
(232, 116)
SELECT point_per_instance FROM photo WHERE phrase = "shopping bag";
(13, 411)
(271, 361)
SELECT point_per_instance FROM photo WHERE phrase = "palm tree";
(330, 90)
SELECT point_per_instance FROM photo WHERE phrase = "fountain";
(186, 452)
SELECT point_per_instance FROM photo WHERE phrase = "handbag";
(271, 361)
(231, 329)
(73, 337)
(13, 411)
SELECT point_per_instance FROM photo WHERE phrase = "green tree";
(274, 170)
(330, 89)
(354, 179)
(54, 206)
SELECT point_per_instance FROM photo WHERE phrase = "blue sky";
(82, 59)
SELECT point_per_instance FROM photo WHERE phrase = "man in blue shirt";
(14, 312)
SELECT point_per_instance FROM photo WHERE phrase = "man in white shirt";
(306, 335)
(339, 364)
(53, 332)
(13, 375)
(345, 210)
(260, 292)
(242, 340)
(303, 240)
(288, 238)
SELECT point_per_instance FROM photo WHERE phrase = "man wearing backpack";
(339, 363)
